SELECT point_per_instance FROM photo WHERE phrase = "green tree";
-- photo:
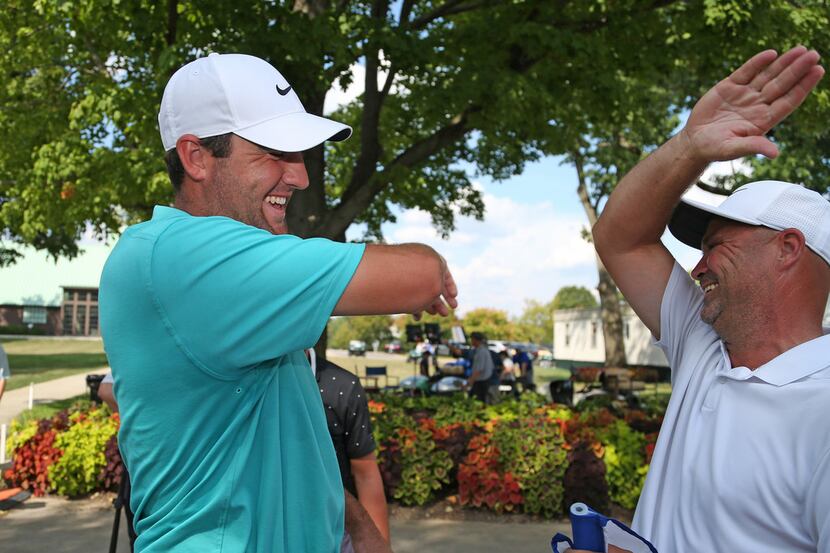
(367, 328)
(572, 297)
(78, 122)
(494, 323)
(535, 324)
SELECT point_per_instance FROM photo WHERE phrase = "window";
(567, 334)
(594, 334)
(625, 330)
(67, 295)
(93, 319)
(80, 322)
(33, 314)
(93, 296)
(67, 320)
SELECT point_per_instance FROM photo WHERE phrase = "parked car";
(393, 347)
(496, 345)
(357, 347)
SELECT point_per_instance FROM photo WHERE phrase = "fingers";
(774, 67)
(788, 74)
(748, 146)
(795, 95)
(450, 291)
(752, 67)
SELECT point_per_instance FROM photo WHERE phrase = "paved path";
(16, 401)
(54, 524)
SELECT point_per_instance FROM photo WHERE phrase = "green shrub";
(624, 462)
(533, 449)
(83, 443)
(424, 468)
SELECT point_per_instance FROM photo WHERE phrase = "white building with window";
(578, 339)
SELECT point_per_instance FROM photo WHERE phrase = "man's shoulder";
(332, 374)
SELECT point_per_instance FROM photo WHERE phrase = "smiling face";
(254, 184)
(735, 275)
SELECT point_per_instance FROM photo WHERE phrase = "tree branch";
(360, 194)
(451, 7)
(172, 22)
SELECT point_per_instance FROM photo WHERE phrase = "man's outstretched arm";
(406, 278)
(728, 122)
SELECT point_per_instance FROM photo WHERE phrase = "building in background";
(79, 311)
(77, 315)
(30, 319)
(578, 340)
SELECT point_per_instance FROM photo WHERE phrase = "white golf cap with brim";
(244, 95)
(773, 204)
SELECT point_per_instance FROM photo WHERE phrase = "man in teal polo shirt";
(206, 310)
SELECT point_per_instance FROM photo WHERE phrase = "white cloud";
(520, 251)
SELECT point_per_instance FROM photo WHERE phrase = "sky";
(528, 246)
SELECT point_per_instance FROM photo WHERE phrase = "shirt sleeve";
(234, 296)
(4, 365)
(359, 441)
(680, 322)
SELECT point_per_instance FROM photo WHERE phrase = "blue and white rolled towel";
(594, 532)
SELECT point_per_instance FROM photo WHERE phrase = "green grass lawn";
(398, 366)
(41, 360)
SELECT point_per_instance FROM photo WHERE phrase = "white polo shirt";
(742, 463)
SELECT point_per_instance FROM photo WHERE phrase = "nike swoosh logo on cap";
(283, 91)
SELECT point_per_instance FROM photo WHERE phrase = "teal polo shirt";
(204, 321)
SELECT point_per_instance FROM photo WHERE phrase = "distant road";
(381, 355)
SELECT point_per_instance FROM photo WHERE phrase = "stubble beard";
(230, 201)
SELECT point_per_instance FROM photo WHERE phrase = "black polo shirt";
(347, 414)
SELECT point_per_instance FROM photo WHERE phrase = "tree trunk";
(609, 298)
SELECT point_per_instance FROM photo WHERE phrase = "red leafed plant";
(33, 458)
(481, 482)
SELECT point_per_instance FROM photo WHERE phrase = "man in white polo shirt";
(743, 460)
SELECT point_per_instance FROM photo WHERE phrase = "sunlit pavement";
(80, 526)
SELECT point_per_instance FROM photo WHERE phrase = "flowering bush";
(76, 472)
(519, 455)
(61, 454)
(34, 451)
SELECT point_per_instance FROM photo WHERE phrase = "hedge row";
(519, 455)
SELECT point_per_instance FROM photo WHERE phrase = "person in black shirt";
(347, 415)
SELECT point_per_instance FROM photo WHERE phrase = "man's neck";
(761, 348)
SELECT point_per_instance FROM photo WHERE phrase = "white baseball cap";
(773, 204)
(245, 95)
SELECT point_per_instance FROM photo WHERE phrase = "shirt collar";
(792, 365)
(161, 212)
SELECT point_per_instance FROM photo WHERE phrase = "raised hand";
(731, 119)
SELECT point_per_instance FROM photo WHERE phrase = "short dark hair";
(477, 336)
(219, 146)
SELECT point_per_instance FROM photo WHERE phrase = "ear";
(791, 247)
(195, 159)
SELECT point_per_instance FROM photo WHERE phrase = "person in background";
(350, 427)
(508, 372)
(5, 371)
(424, 363)
(483, 369)
(524, 369)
